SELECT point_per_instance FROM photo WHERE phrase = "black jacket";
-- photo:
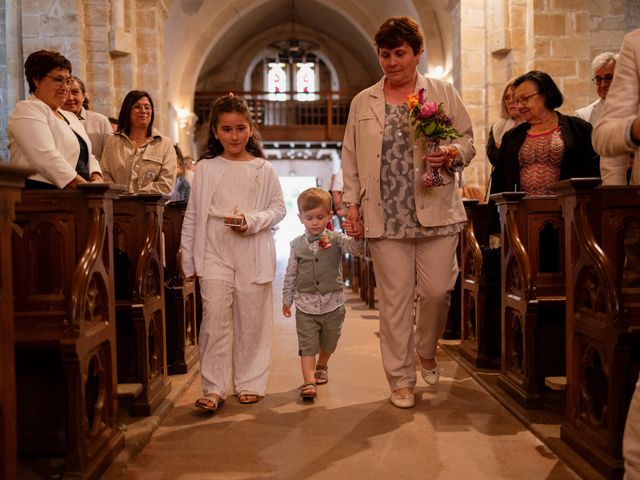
(579, 160)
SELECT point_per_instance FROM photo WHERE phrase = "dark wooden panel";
(603, 342)
(140, 304)
(533, 294)
(65, 330)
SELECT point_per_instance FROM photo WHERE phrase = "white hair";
(602, 59)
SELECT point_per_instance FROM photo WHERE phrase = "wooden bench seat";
(533, 294)
(180, 296)
(603, 339)
(11, 183)
(140, 304)
(65, 330)
(480, 312)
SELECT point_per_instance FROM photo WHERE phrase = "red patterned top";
(540, 159)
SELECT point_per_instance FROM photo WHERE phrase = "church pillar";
(150, 75)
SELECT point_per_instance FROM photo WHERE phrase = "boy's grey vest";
(321, 273)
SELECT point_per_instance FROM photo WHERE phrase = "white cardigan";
(98, 130)
(41, 141)
(269, 210)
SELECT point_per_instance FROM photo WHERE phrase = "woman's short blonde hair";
(504, 111)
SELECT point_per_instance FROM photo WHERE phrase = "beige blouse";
(151, 168)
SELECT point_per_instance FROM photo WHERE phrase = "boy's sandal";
(209, 403)
(308, 391)
(246, 397)
(321, 375)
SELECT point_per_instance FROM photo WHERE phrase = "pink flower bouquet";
(431, 124)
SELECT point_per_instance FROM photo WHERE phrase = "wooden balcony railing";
(290, 116)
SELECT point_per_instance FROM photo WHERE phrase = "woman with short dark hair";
(412, 229)
(138, 156)
(548, 146)
(45, 138)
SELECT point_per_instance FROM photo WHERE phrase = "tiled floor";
(456, 430)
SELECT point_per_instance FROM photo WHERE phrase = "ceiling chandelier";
(294, 49)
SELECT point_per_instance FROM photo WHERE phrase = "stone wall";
(111, 57)
(118, 45)
(501, 39)
(4, 75)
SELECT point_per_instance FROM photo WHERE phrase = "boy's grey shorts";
(316, 332)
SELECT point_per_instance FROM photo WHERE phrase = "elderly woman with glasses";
(97, 125)
(548, 146)
(138, 156)
(45, 138)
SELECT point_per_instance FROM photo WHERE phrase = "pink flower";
(429, 118)
(428, 108)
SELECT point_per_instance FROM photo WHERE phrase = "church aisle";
(456, 430)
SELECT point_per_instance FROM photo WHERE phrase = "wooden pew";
(65, 331)
(356, 260)
(603, 323)
(533, 298)
(180, 296)
(367, 277)
(11, 183)
(452, 327)
(140, 309)
(480, 298)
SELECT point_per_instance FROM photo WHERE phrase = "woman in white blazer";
(412, 230)
(45, 138)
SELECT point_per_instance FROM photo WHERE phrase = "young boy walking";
(313, 280)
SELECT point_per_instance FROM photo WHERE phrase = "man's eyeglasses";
(598, 79)
(66, 81)
(139, 107)
(525, 99)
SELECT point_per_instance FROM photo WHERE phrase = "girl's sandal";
(322, 374)
(308, 391)
(245, 397)
(209, 403)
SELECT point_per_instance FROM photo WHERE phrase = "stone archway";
(201, 33)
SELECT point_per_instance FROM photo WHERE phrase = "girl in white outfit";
(235, 264)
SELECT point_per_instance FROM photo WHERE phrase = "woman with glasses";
(138, 156)
(45, 138)
(548, 146)
(97, 125)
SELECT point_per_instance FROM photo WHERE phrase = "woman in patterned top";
(548, 146)
(412, 229)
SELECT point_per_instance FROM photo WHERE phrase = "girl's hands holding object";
(236, 221)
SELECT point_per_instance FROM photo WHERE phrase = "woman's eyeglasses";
(525, 99)
(61, 81)
(142, 107)
(598, 79)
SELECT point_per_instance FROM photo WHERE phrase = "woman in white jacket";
(45, 138)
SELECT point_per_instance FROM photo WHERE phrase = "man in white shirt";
(602, 67)
(618, 132)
